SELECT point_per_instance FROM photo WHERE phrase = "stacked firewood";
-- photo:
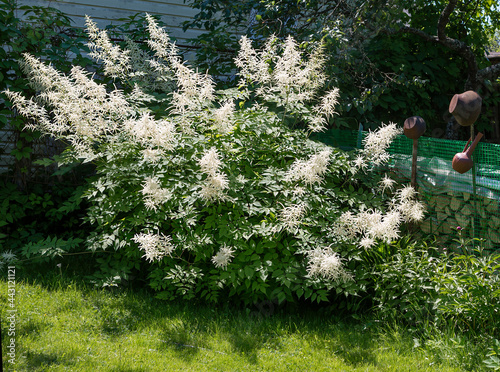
(448, 211)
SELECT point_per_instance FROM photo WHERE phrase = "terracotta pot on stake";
(466, 108)
(413, 128)
(462, 162)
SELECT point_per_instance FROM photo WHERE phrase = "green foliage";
(469, 291)
(42, 223)
(493, 361)
(419, 284)
(403, 285)
(234, 201)
(381, 72)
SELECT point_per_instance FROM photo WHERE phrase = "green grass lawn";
(66, 326)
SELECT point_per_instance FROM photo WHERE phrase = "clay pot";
(414, 127)
(466, 107)
(462, 162)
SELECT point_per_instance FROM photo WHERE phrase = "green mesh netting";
(451, 198)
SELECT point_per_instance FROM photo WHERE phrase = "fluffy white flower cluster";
(328, 103)
(134, 62)
(223, 257)
(406, 203)
(297, 79)
(326, 263)
(376, 144)
(154, 194)
(83, 111)
(287, 77)
(373, 225)
(291, 216)
(160, 42)
(116, 61)
(224, 117)
(216, 182)
(194, 91)
(152, 155)
(152, 133)
(254, 66)
(324, 110)
(310, 171)
(155, 246)
(386, 183)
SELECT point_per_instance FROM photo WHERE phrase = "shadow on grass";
(126, 369)
(190, 328)
(40, 361)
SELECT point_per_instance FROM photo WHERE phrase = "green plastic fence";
(451, 198)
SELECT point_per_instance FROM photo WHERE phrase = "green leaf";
(249, 271)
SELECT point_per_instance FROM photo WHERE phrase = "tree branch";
(459, 47)
(444, 19)
(489, 73)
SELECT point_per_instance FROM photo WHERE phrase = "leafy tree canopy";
(384, 55)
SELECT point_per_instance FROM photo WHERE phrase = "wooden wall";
(104, 12)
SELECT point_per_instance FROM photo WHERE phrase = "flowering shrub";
(218, 195)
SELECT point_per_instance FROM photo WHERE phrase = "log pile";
(447, 211)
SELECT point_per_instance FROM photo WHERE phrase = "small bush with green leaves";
(40, 212)
(422, 284)
(403, 275)
(215, 193)
(469, 291)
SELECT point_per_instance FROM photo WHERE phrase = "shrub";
(421, 284)
(217, 190)
(39, 210)
(469, 291)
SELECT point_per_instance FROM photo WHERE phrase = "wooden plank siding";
(105, 12)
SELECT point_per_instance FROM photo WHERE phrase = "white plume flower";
(373, 225)
(31, 109)
(291, 216)
(310, 171)
(284, 74)
(325, 263)
(386, 183)
(154, 194)
(224, 117)
(377, 142)
(216, 182)
(407, 193)
(360, 162)
(411, 209)
(84, 113)
(155, 246)
(150, 132)
(223, 257)
(151, 155)
(367, 242)
(116, 61)
(317, 124)
(195, 90)
(252, 66)
(328, 103)
(210, 162)
(160, 42)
